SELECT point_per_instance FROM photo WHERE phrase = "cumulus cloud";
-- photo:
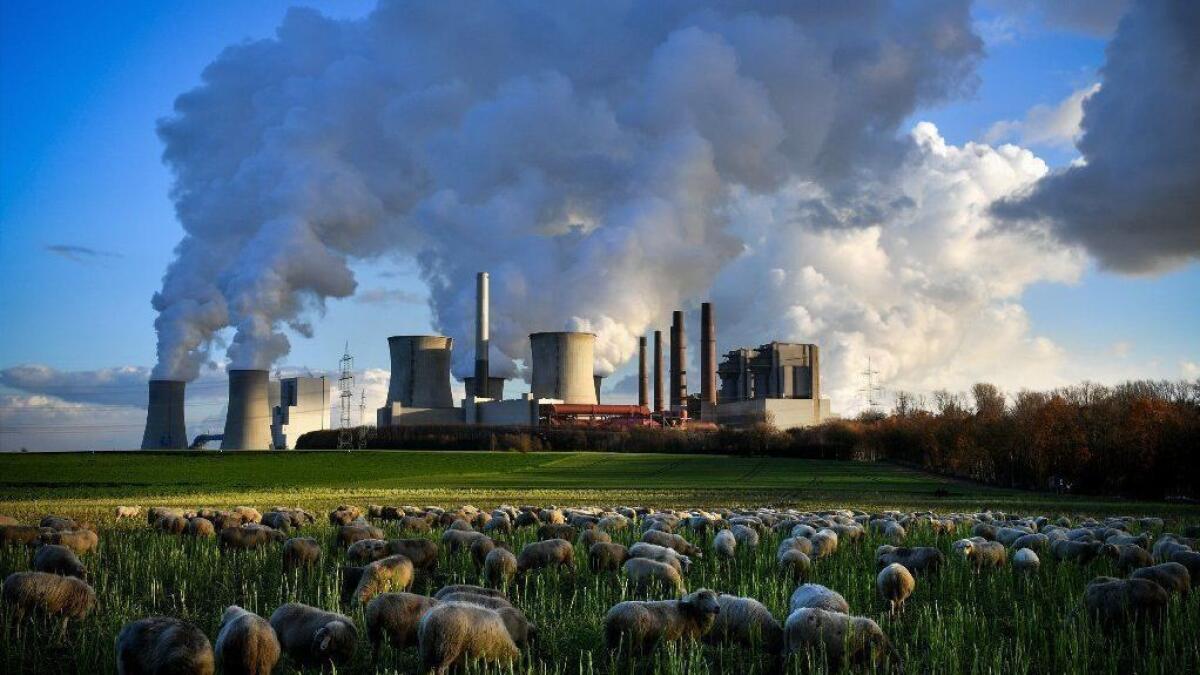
(1133, 199)
(1053, 125)
(588, 155)
(1097, 18)
(38, 422)
(122, 385)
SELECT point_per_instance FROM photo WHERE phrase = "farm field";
(997, 621)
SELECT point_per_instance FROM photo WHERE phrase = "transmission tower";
(346, 392)
(870, 390)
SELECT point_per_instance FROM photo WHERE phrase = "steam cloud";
(590, 156)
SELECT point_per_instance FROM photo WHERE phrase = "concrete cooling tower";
(248, 420)
(562, 367)
(420, 371)
(165, 428)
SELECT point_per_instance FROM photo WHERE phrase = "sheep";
(745, 535)
(128, 512)
(171, 524)
(301, 552)
(461, 525)
(841, 636)
(1190, 560)
(1172, 576)
(395, 616)
(745, 622)
(314, 637)
(415, 524)
(1167, 546)
(804, 530)
(79, 541)
(1025, 560)
(1009, 535)
(348, 534)
(163, 644)
(499, 524)
(557, 531)
(247, 537)
(480, 548)
(1036, 541)
(278, 520)
(360, 584)
(451, 631)
(57, 559)
(894, 532)
(154, 513)
(344, 515)
(725, 544)
(18, 535)
(367, 551)
(824, 543)
(1128, 556)
(918, 559)
(673, 541)
(50, 594)
(199, 527)
(644, 573)
(801, 544)
(1115, 601)
(59, 523)
(593, 536)
(795, 564)
(457, 540)
(499, 567)
(607, 557)
(247, 514)
(246, 643)
(819, 597)
(1081, 552)
(548, 553)
(981, 553)
(453, 589)
(662, 554)
(640, 625)
(895, 583)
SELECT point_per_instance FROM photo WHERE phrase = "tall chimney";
(658, 372)
(248, 416)
(481, 335)
(643, 383)
(678, 361)
(164, 416)
(708, 354)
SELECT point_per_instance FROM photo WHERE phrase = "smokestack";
(248, 419)
(599, 381)
(708, 354)
(658, 372)
(481, 335)
(562, 367)
(642, 380)
(678, 361)
(165, 428)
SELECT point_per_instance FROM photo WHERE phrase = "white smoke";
(588, 155)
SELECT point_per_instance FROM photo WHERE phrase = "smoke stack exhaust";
(165, 428)
(248, 419)
(658, 372)
(708, 354)
(481, 335)
(678, 361)
(643, 383)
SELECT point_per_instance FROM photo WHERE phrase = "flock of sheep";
(480, 622)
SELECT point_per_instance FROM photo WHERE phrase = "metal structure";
(643, 382)
(870, 390)
(658, 372)
(708, 354)
(775, 370)
(494, 389)
(562, 367)
(346, 394)
(248, 418)
(165, 427)
(678, 390)
(420, 371)
(481, 336)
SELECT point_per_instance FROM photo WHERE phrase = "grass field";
(999, 622)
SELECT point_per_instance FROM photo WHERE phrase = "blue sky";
(87, 224)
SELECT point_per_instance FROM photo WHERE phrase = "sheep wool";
(640, 625)
(452, 631)
(745, 622)
(895, 583)
(499, 567)
(301, 552)
(855, 639)
(548, 553)
(56, 559)
(314, 637)
(49, 594)
(391, 573)
(1025, 560)
(607, 557)
(163, 644)
(818, 596)
(395, 617)
(725, 544)
(246, 643)
(1117, 601)
(645, 574)
(1172, 576)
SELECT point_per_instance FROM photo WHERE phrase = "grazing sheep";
(367, 551)
(593, 536)
(1172, 576)
(301, 552)
(458, 540)
(56, 559)
(855, 639)
(640, 625)
(344, 515)
(1128, 556)
(745, 622)
(247, 537)
(1036, 541)
(745, 535)
(348, 534)
(163, 644)
(801, 544)
(50, 594)
(360, 584)
(1025, 560)
(314, 637)
(422, 552)
(981, 553)
(557, 531)
(607, 556)
(1190, 560)
(824, 543)
(246, 643)
(499, 524)
(645, 575)
(984, 530)
(894, 532)
(795, 564)
(415, 524)
(1117, 601)
(395, 616)
(895, 583)
(154, 513)
(461, 525)
(499, 567)
(278, 520)
(1167, 546)
(79, 541)
(1081, 552)
(918, 559)
(128, 512)
(18, 535)
(1009, 535)
(804, 530)
(171, 524)
(819, 597)
(58, 523)
(548, 553)
(480, 548)
(725, 544)
(451, 631)
(200, 527)
(453, 589)
(247, 514)
(673, 541)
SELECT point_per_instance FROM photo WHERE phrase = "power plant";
(776, 383)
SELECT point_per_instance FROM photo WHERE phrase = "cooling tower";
(562, 367)
(495, 388)
(165, 427)
(248, 420)
(420, 371)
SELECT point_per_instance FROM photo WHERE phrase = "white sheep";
(818, 596)
(640, 625)
(451, 631)
(895, 583)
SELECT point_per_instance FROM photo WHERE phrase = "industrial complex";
(776, 383)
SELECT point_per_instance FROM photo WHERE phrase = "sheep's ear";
(323, 637)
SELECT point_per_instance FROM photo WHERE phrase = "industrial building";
(778, 382)
(298, 405)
